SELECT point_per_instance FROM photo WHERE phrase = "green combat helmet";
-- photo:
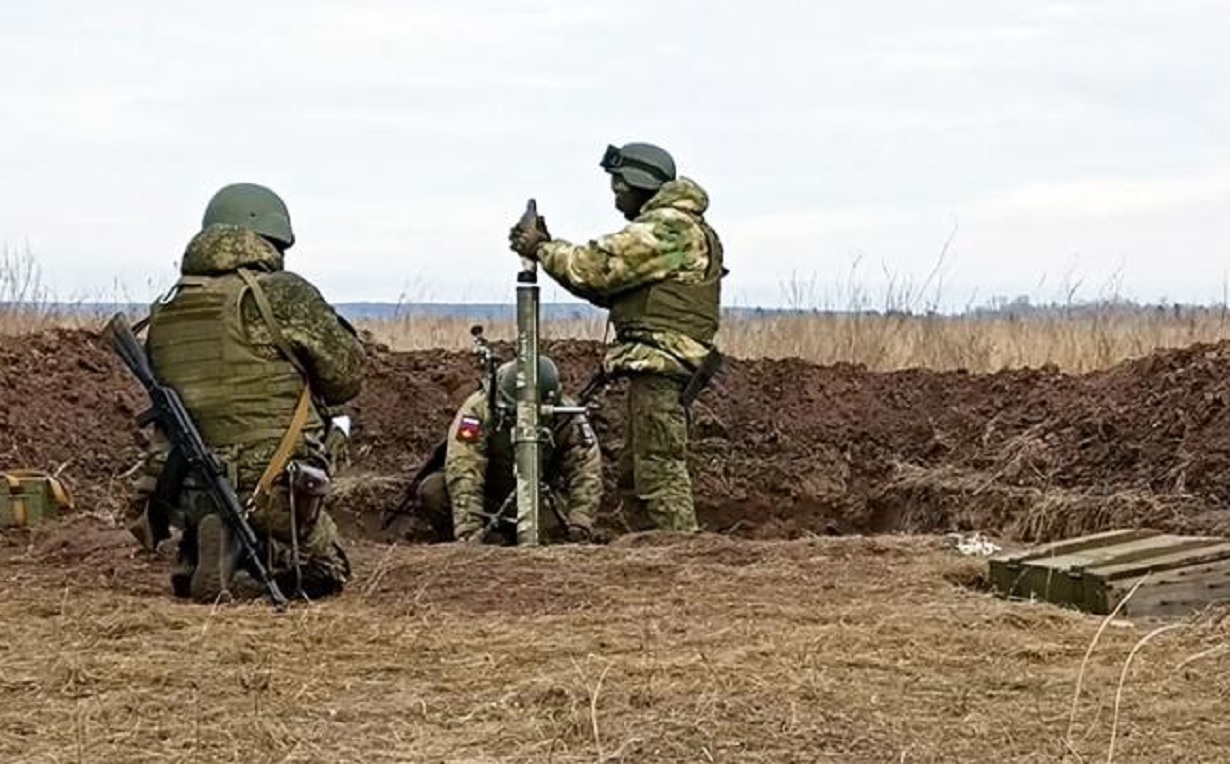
(254, 207)
(641, 165)
(548, 382)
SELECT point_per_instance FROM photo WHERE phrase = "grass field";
(900, 333)
(652, 651)
(1078, 341)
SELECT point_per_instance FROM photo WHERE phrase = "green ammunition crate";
(28, 498)
(1177, 574)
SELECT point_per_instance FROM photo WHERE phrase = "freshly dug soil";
(781, 448)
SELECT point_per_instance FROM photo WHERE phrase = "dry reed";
(898, 330)
(1077, 341)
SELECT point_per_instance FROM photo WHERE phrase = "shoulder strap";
(290, 439)
(275, 329)
(286, 447)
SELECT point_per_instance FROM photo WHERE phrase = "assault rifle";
(169, 413)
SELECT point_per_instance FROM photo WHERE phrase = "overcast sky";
(1063, 142)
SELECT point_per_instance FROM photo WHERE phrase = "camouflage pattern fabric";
(655, 489)
(479, 471)
(323, 565)
(323, 344)
(435, 508)
(665, 241)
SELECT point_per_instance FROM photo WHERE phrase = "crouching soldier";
(257, 355)
(473, 498)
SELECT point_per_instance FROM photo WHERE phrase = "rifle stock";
(170, 414)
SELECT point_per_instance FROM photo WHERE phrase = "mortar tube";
(527, 433)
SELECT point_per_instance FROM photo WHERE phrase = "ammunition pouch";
(308, 487)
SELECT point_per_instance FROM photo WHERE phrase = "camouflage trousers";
(654, 485)
(437, 509)
(322, 568)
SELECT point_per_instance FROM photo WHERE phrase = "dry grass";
(26, 304)
(898, 330)
(838, 650)
(926, 500)
(1077, 341)
(23, 298)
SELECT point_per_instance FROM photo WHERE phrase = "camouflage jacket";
(665, 241)
(480, 462)
(322, 342)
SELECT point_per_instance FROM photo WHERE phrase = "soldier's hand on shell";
(541, 225)
(524, 240)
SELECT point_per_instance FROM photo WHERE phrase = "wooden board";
(1176, 574)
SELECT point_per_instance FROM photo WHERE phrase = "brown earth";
(781, 448)
(654, 648)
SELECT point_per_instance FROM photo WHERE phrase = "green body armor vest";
(673, 306)
(198, 344)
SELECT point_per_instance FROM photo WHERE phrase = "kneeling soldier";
(473, 498)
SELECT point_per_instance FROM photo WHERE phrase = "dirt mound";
(781, 447)
(67, 406)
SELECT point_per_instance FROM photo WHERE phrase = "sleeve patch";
(469, 429)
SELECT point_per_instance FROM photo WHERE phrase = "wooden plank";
(1078, 544)
(1176, 593)
(1211, 550)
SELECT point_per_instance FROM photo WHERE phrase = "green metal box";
(28, 498)
(1177, 574)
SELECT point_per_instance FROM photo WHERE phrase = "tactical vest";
(198, 344)
(673, 306)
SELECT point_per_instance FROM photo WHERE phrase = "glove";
(524, 240)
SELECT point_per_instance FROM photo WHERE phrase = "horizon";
(962, 151)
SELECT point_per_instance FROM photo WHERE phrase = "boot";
(216, 558)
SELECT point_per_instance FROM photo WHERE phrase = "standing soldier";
(257, 356)
(660, 276)
(473, 498)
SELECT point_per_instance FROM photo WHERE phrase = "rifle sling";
(286, 448)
